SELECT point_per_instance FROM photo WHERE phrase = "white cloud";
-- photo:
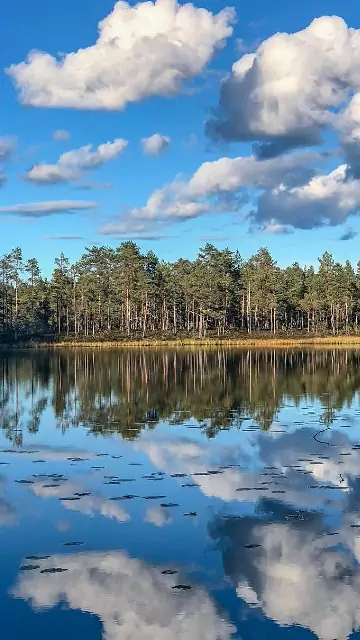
(72, 163)
(61, 135)
(42, 209)
(324, 200)
(92, 504)
(275, 195)
(87, 505)
(143, 50)
(222, 185)
(84, 158)
(184, 455)
(50, 174)
(156, 144)
(7, 146)
(348, 125)
(157, 516)
(287, 92)
(297, 578)
(132, 599)
(274, 227)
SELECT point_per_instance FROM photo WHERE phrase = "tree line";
(123, 292)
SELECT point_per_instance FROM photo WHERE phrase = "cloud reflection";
(132, 599)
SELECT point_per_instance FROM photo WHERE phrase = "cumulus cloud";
(288, 91)
(227, 184)
(155, 145)
(145, 50)
(61, 135)
(132, 599)
(348, 125)
(295, 576)
(49, 208)
(72, 163)
(324, 200)
(50, 174)
(275, 195)
(241, 482)
(84, 158)
(88, 505)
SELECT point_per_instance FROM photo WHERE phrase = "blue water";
(272, 545)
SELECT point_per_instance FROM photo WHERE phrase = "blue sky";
(68, 26)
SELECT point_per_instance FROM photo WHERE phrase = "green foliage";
(124, 293)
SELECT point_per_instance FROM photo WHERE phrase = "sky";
(175, 125)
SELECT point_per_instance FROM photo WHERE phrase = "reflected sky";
(215, 496)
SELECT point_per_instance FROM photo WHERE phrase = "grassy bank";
(253, 341)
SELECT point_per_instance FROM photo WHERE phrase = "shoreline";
(258, 342)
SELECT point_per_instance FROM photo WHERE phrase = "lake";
(189, 494)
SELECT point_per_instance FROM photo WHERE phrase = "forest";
(113, 293)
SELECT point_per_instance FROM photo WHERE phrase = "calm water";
(192, 495)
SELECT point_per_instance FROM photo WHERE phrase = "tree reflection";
(127, 391)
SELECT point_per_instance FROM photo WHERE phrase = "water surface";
(199, 495)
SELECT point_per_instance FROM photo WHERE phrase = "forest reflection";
(127, 391)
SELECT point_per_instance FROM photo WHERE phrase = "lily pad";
(169, 504)
(53, 570)
(182, 587)
(169, 572)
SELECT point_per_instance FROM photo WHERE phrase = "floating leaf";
(252, 546)
(181, 587)
(53, 570)
(169, 572)
(126, 497)
(169, 504)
